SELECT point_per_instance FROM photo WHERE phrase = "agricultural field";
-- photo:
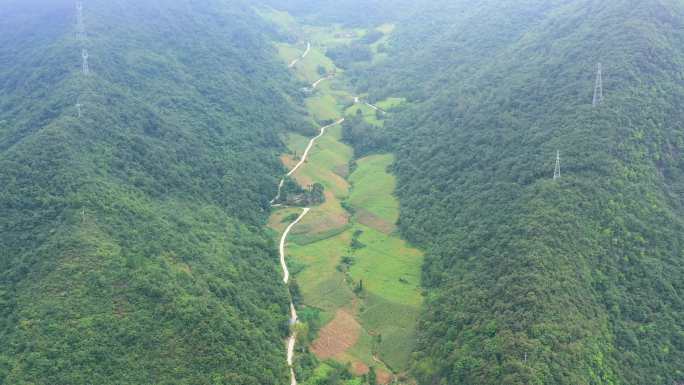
(352, 268)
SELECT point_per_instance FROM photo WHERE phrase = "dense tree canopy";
(132, 247)
(131, 241)
(534, 280)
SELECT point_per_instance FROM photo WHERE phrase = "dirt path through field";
(304, 156)
(306, 52)
(293, 312)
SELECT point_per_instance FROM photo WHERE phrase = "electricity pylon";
(556, 171)
(598, 87)
(79, 17)
(84, 54)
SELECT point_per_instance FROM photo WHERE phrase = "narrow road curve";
(304, 156)
(293, 312)
(283, 239)
(286, 272)
(306, 52)
(317, 82)
(376, 108)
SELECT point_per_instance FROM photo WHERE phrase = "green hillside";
(132, 248)
(534, 280)
(134, 199)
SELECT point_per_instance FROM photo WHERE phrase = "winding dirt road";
(306, 52)
(376, 108)
(304, 156)
(283, 239)
(317, 82)
(293, 312)
(286, 272)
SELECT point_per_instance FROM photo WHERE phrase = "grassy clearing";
(323, 107)
(288, 53)
(322, 221)
(296, 143)
(307, 69)
(394, 326)
(373, 187)
(327, 162)
(388, 267)
(277, 221)
(321, 284)
(390, 103)
(333, 35)
(369, 114)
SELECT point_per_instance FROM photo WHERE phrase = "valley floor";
(359, 281)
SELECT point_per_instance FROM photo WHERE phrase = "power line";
(79, 18)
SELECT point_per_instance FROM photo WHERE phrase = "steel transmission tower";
(556, 171)
(79, 17)
(84, 54)
(598, 87)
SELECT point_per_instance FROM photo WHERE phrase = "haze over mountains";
(137, 241)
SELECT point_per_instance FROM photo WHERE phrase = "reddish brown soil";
(383, 377)
(369, 219)
(337, 336)
(359, 368)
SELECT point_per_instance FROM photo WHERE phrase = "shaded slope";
(575, 281)
(131, 248)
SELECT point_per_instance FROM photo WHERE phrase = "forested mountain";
(132, 248)
(364, 13)
(134, 192)
(533, 280)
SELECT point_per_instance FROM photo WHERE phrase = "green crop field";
(322, 285)
(323, 107)
(373, 187)
(387, 265)
(387, 268)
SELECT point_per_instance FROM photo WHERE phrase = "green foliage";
(530, 280)
(366, 138)
(345, 55)
(332, 373)
(131, 240)
(292, 194)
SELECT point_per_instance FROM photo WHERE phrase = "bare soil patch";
(383, 377)
(337, 336)
(359, 368)
(342, 170)
(369, 219)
